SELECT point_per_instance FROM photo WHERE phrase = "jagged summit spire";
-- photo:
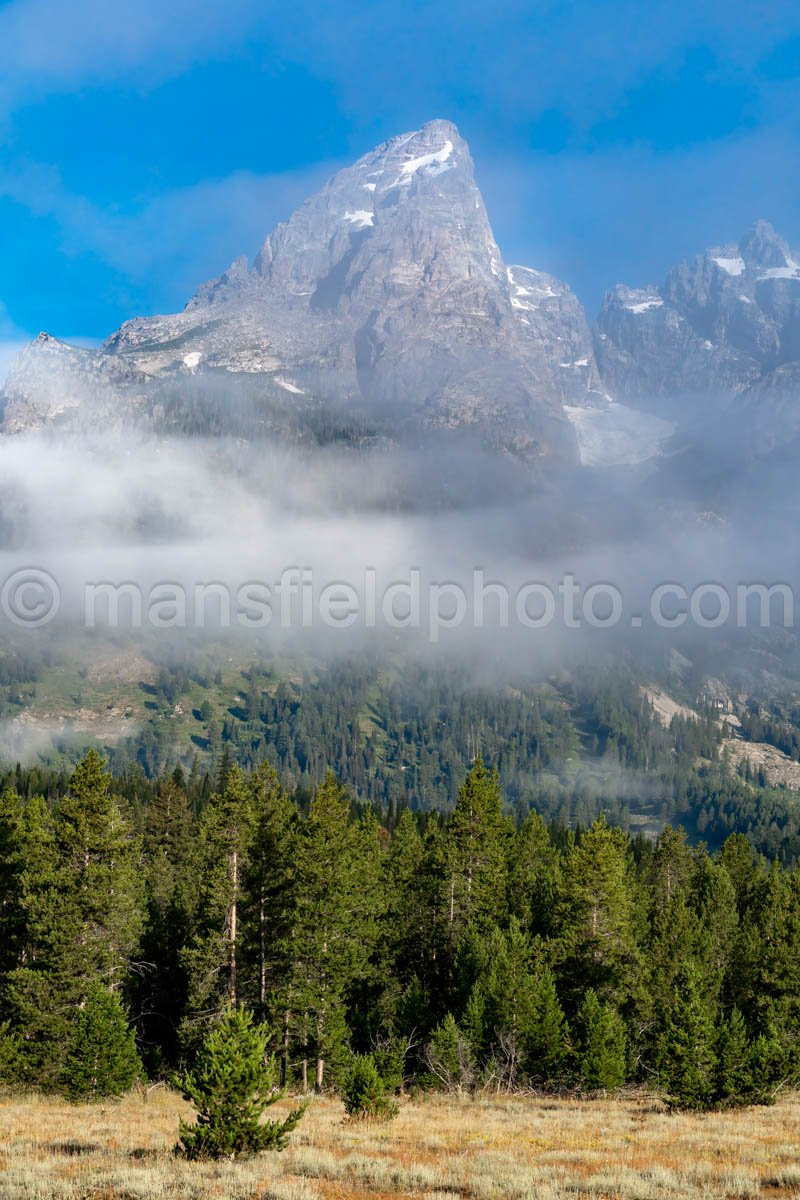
(408, 202)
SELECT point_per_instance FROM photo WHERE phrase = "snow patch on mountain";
(731, 266)
(643, 306)
(536, 288)
(790, 271)
(289, 387)
(427, 160)
(361, 218)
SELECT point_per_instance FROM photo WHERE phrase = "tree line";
(460, 950)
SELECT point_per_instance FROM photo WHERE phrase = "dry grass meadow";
(437, 1149)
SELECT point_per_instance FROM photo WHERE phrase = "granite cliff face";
(384, 301)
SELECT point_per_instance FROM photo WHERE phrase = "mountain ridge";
(716, 326)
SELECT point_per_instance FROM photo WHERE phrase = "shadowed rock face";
(385, 295)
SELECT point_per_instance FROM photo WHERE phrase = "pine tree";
(269, 906)
(161, 989)
(27, 990)
(10, 1050)
(505, 996)
(101, 1059)
(474, 1022)
(596, 915)
(231, 1086)
(425, 997)
(674, 934)
(672, 866)
(406, 920)
(773, 1065)
(546, 1042)
(715, 902)
(601, 1058)
(364, 1092)
(687, 1058)
(12, 866)
(99, 877)
(735, 1077)
(167, 842)
(476, 848)
(739, 860)
(82, 900)
(765, 974)
(533, 876)
(370, 996)
(331, 943)
(449, 1056)
(213, 955)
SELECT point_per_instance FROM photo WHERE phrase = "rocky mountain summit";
(383, 302)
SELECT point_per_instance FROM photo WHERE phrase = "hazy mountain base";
(560, 711)
(637, 740)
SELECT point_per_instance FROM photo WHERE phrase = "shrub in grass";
(364, 1092)
(232, 1085)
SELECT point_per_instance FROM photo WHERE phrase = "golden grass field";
(437, 1149)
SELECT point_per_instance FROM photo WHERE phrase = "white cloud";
(518, 57)
(50, 45)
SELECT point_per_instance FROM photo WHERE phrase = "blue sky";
(145, 145)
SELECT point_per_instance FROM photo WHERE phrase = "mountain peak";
(438, 136)
(385, 294)
(440, 125)
(720, 326)
(438, 130)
